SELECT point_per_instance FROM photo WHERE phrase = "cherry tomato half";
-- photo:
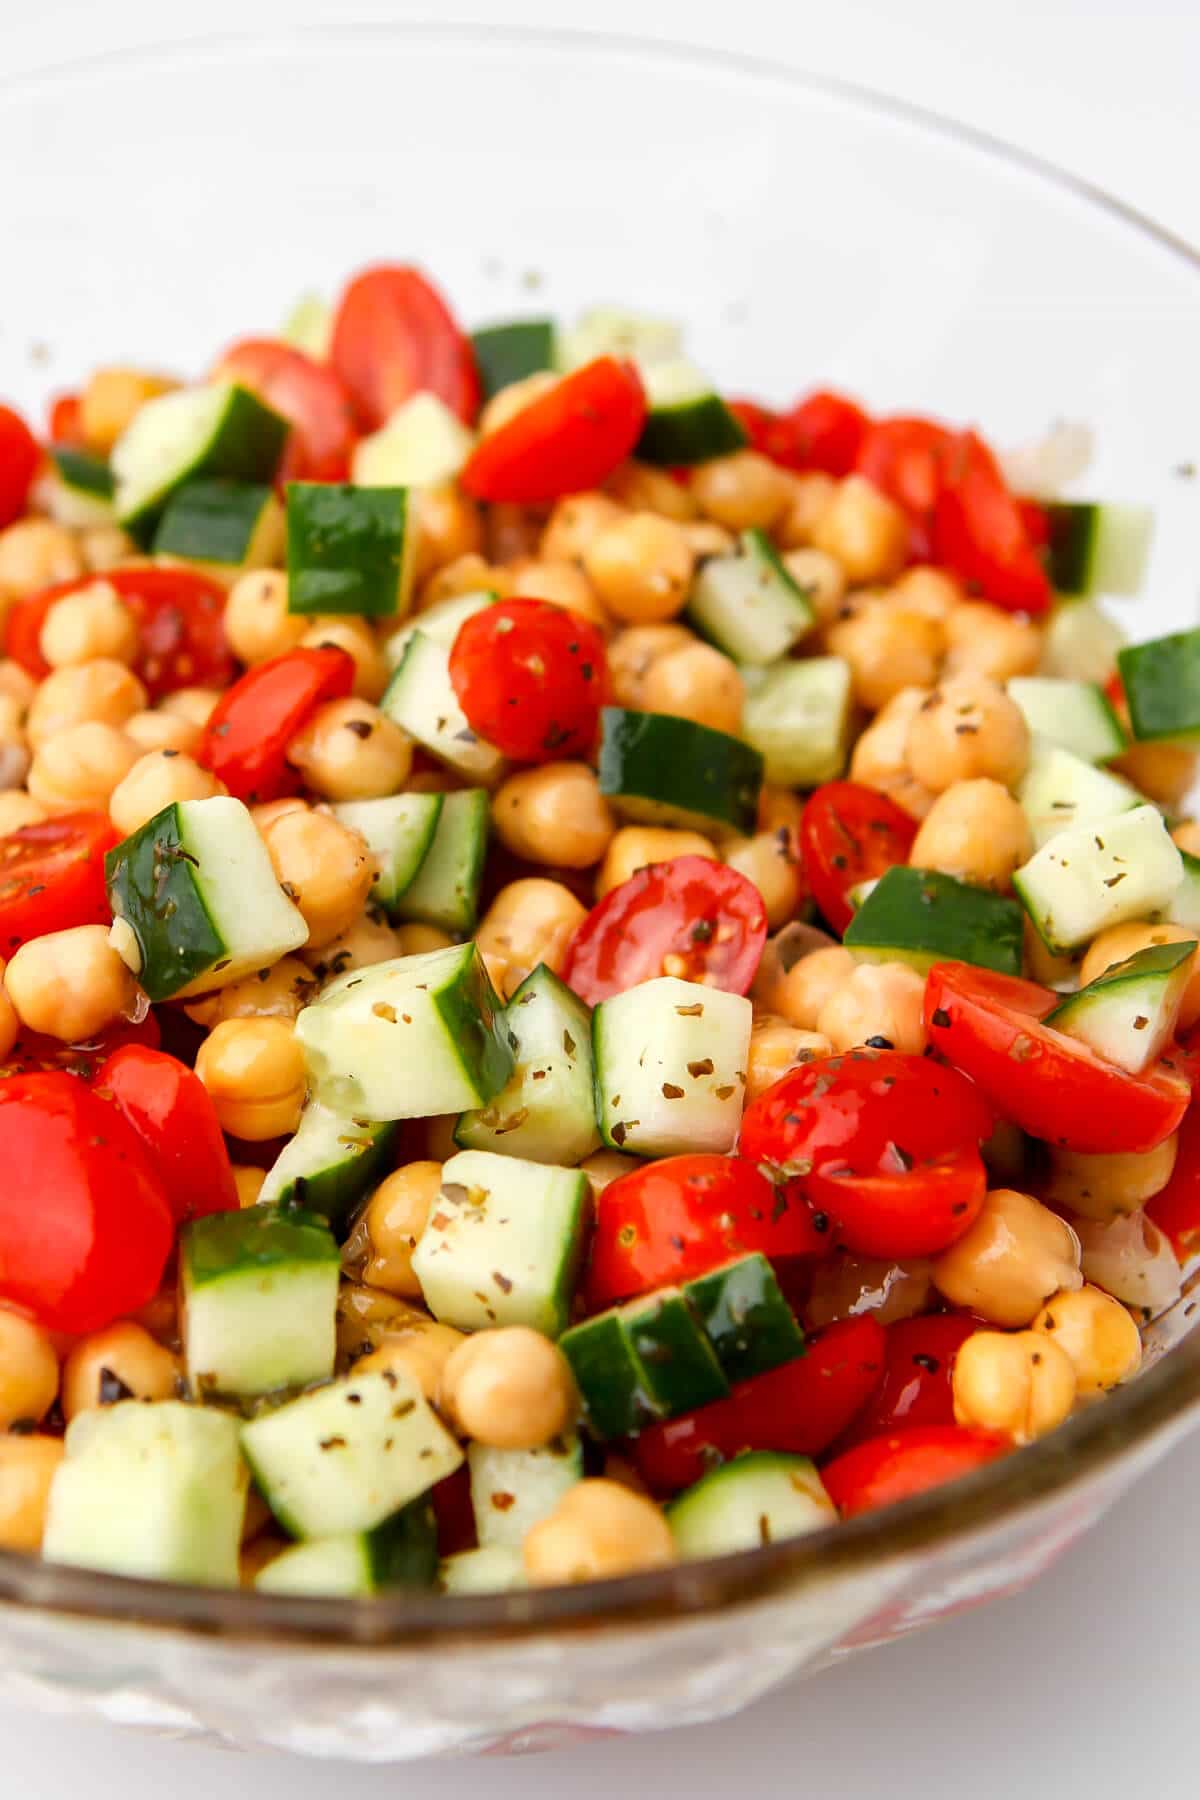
(569, 439)
(19, 459)
(85, 1229)
(1052, 1086)
(64, 422)
(52, 877)
(886, 1469)
(531, 679)
(172, 1113)
(307, 394)
(690, 917)
(903, 458)
(394, 336)
(1175, 1209)
(35, 1053)
(916, 1386)
(980, 535)
(825, 431)
(850, 833)
(245, 741)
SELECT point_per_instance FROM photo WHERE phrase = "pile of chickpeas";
(1057, 1280)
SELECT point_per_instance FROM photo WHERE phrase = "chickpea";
(112, 399)
(986, 640)
(1096, 1333)
(976, 832)
(275, 993)
(599, 1528)
(415, 940)
(704, 539)
(529, 922)
(510, 532)
(801, 993)
(80, 768)
(69, 984)
(323, 867)
(14, 751)
(742, 490)
(888, 650)
(844, 1286)
(105, 547)
(967, 728)
(1105, 1187)
(27, 1467)
(254, 1072)
(28, 1371)
(395, 1217)
(1120, 942)
(421, 1352)
(504, 405)
(1022, 1384)
(92, 622)
(641, 567)
(448, 526)
(249, 1183)
(823, 579)
(196, 704)
(633, 653)
(930, 591)
(867, 532)
(1164, 772)
(511, 1388)
(1187, 836)
(879, 758)
(637, 846)
(554, 814)
(128, 1357)
(643, 488)
(779, 810)
(159, 730)
(769, 860)
(17, 809)
(1015, 1255)
(776, 1047)
(257, 622)
(355, 637)
(16, 683)
(34, 553)
(603, 1167)
(369, 940)
(811, 496)
(881, 1004)
(699, 683)
(158, 779)
(573, 523)
(562, 584)
(469, 574)
(349, 750)
(103, 692)
(265, 814)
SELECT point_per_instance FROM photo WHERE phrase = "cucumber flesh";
(687, 421)
(546, 1111)
(1075, 714)
(402, 1552)
(614, 331)
(488, 1570)
(398, 830)
(1081, 642)
(797, 713)
(1059, 790)
(440, 623)
(513, 1490)
(1098, 549)
(1128, 1014)
(756, 1499)
(748, 605)
(420, 698)
(422, 444)
(309, 327)
(445, 889)
(670, 1059)
(218, 430)
(329, 1164)
(1099, 874)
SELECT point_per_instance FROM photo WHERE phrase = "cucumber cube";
(661, 770)
(749, 1323)
(798, 715)
(679, 1366)
(546, 1111)
(221, 429)
(1162, 687)
(1099, 874)
(756, 1499)
(1076, 714)
(670, 1059)
(402, 1552)
(1128, 1014)
(329, 1164)
(512, 1490)
(1060, 789)
(227, 525)
(1096, 549)
(608, 1374)
(398, 831)
(445, 889)
(489, 1570)
(349, 549)
(748, 605)
(420, 698)
(422, 444)
(921, 917)
(510, 352)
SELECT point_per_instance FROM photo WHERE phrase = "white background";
(1088, 1682)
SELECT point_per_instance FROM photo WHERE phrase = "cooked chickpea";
(158, 779)
(769, 860)
(643, 488)
(275, 993)
(1103, 1187)
(641, 567)
(14, 751)
(776, 1047)
(420, 1350)
(27, 1467)
(257, 622)
(603, 1167)
(633, 653)
(158, 730)
(395, 1217)
(448, 526)
(967, 728)
(1098, 1335)
(822, 578)
(927, 590)
(196, 704)
(103, 692)
(976, 832)
(561, 584)
(554, 814)
(1123, 941)
(355, 637)
(111, 400)
(1021, 1383)
(470, 574)
(28, 1371)
(92, 622)
(696, 682)
(18, 808)
(105, 547)
(741, 490)
(888, 649)
(881, 1004)
(810, 499)
(266, 813)
(779, 809)
(801, 993)
(637, 846)
(34, 553)
(705, 539)
(1164, 772)
(415, 940)
(528, 922)
(864, 530)
(1187, 836)
(511, 1388)
(599, 1528)
(844, 1286)
(254, 1072)
(986, 640)
(249, 1183)
(81, 766)
(122, 1356)
(507, 402)
(573, 523)
(1015, 1255)
(349, 750)
(879, 758)
(510, 532)
(323, 867)
(369, 940)
(16, 683)
(69, 984)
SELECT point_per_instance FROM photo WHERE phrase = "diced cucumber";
(513, 1490)
(490, 1570)
(1099, 874)
(330, 1163)
(678, 1364)
(1097, 549)
(1127, 1015)
(671, 1060)
(756, 1499)
(798, 715)
(441, 623)
(511, 352)
(349, 549)
(150, 1488)
(1161, 679)
(195, 900)
(346, 1456)
(422, 444)
(615, 331)
(546, 1111)
(1184, 907)
(609, 1375)
(748, 605)
(75, 489)
(259, 1291)
(1076, 714)
(686, 421)
(659, 769)
(503, 1244)
(747, 1320)
(445, 889)
(921, 917)
(227, 525)
(407, 1039)
(402, 1552)
(218, 430)
(1081, 642)
(398, 830)
(309, 326)
(1059, 789)
(420, 698)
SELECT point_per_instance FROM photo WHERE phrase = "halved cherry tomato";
(903, 458)
(52, 877)
(64, 421)
(394, 336)
(1052, 1086)
(307, 394)
(180, 615)
(910, 1208)
(886, 1469)
(454, 1511)
(531, 678)
(85, 1228)
(850, 833)
(825, 431)
(980, 535)
(762, 427)
(19, 459)
(916, 1388)
(1175, 1209)
(35, 1053)
(569, 439)
(802, 1406)
(245, 741)
(705, 919)
(170, 1109)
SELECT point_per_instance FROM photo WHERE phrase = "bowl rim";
(1160, 1404)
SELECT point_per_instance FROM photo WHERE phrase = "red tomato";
(1175, 1209)
(802, 1407)
(19, 459)
(908, 1209)
(676, 1218)
(850, 833)
(34, 1053)
(825, 431)
(570, 439)
(85, 1229)
(170, 1109)
(394, 336)
(531, 678)
(52, 877)
(308, 395)
(180, 616)
(245, 741)
(763, 428)
(706, 918)
(980, 535)
(918, 1363)
(1052, 1086)
(64, 423)
(883, 1470)
(903, 458)
(454, 1512)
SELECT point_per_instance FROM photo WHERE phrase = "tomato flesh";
(980, 534)
(52, 877)
(568, 440)
(899, 1464)
(172, 1113)
(822, 432)
(19, 459)
(849, 834)
(308, 395)
(245, 741)
(917, 1368)
(64, 422)
(394, 336)
(531, 679)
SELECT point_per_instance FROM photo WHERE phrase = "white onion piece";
(1043, 469)
(1130, 1259)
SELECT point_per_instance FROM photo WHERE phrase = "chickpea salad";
(594, 973)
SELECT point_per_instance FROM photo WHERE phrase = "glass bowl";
(172, 200)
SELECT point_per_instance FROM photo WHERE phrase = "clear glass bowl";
(172, 200)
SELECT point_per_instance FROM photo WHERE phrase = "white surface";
(1089, 1678)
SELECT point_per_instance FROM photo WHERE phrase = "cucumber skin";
(458, 912)
(681, 436)
(993, 940)
(333, 1194)
(212, 520)
(1161, 679)
(260, 434)
(707, 773)
(403, 1551)
(151, 883)
(680, 1368)
(747, 1320)
(258, 1237)
(87, 474)
(347, 548)
(511, 352)
(608, 1376)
